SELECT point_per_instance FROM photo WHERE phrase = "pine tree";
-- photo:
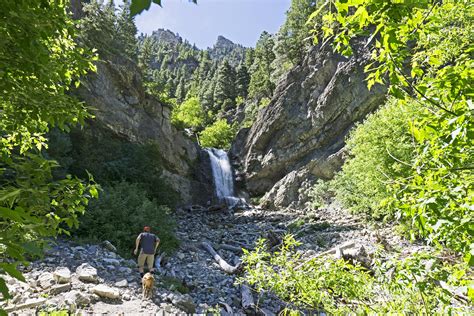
(293, 38)
(261, 85)
(146, 54)
(242, 81)
(225, 85)
(126, 31)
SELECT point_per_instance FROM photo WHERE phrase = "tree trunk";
(222, 263)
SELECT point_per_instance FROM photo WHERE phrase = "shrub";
(189, 114)
(380, 149)
(396, 284)
(110, 159)
(218, 135)
(120, 214)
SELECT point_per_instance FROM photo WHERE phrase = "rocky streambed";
(94, 279)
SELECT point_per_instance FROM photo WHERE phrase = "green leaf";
(4, 291)
(138, 6)
(10, 268)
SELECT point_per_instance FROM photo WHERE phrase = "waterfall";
(222, 174)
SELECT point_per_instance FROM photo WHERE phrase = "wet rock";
(62, 275)
(106, 291)
(87, 273)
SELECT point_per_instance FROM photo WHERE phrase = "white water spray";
(223, 179)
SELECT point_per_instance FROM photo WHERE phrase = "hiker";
(149, 243)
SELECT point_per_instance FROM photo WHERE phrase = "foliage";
(120, 214)
(400, 285)
(188, 114)
(218, 135)
(381, 150)
(320, 194)
(40, 62)
(423, 50)
(138, 6)
(111, 33)
(293, 38)
(260, 84)
(225, 85)
(319, 283)
(111, 159)
(242, 81)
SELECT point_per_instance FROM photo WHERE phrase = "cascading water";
(223, 179)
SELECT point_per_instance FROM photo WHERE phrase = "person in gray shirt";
(148, 243)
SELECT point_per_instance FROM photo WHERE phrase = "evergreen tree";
(98, 28)
(181, 90)
(293, 38)
(126, 31)
(260, 83)
(242, 81)
(146, 54)
(225, 85)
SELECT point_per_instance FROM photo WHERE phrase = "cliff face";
(299, 136)
(120, 104)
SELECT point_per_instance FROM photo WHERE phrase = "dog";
(148, 281)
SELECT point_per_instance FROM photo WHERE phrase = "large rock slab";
(300, 134)
(76, 298)
(106, 291)
(45, 280)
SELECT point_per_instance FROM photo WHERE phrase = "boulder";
(105, 291)
(62, 275)
(45, 280)
(110, 261)
(185, 303)
(122, 283)
(108, 245)
(87, 273)
(60, 288)
(76, 298)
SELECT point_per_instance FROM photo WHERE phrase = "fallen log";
(222, 263)
(248, 303)
(337, 251)
(235, 249)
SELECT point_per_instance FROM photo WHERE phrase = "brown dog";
(147, 285)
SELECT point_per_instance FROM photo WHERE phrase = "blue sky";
(241, 21)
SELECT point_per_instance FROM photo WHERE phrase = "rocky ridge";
(299, 137)
(120, 104)
(93, 279)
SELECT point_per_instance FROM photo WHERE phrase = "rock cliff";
(299, 136)
(120, 104)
